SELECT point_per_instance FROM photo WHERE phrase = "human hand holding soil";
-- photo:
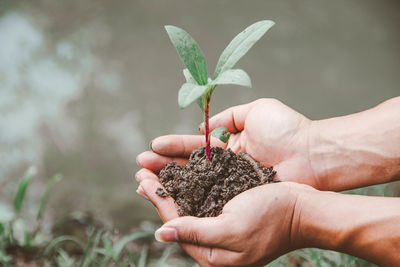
(253, 229)
(267, 221)
(333, 154)
(267, 130)
(344, 152)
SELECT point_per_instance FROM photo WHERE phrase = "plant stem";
(206, 122)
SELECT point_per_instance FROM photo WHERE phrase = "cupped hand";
(255, 227)
(266, 129)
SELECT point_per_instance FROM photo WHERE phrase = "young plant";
(199, 87)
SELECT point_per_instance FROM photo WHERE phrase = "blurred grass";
(100, 246)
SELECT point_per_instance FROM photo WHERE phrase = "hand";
(253, 229)
(270, 132)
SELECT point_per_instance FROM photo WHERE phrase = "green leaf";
(117, 249)
(236, 76)
(189, 52)
(190, 92)
(189, 79)
(43, 203)
(188, 76)
(2, 229)
(241, 44)
(221, 133)
(26, 180)
(86, 251)
(60, 239)
(200, 102)
(143, 257)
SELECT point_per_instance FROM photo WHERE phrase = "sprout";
(198, 86)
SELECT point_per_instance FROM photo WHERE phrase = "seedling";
(198, 86)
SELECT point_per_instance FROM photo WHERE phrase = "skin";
(265, 222)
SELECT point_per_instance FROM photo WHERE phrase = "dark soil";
(203, 187)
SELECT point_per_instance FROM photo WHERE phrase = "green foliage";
(43, 203)
(198, 86)
(116, 251)
(221, 133)
(236, 76)
(26, 180)
(189, 92)
(240, 45)
(189, 52)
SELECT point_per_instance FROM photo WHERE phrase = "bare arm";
(357, 150)
(366, 227)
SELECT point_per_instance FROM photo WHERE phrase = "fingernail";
(137, 160)
(155, 144)
(141, 192)
(151, 145)
(165, 234)
(137, 177)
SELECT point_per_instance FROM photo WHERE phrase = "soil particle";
(203, 187)
(161, 192)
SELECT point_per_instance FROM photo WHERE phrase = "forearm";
(357, 150)
(366, 227)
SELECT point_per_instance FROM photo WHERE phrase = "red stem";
(206, 120)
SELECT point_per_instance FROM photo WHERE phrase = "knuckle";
(193, 237)
(264, 101)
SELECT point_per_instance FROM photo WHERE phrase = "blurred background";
(86, 85)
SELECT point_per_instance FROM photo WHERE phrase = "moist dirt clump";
(203, 187)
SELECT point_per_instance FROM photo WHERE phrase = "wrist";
(356, 150)
(313, 223)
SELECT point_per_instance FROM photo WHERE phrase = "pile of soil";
(203, 187)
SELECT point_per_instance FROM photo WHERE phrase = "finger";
(155, 162)
(208, 256)
(181, 145)
(210, 232)
(144, 174)
(233, 119)
(165, 206)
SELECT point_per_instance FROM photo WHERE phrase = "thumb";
(211, 231)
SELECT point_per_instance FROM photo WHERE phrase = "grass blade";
(26, 180)
(125, 240)
(86, 252)
(143, 257)
(43, 203)
(56, 241)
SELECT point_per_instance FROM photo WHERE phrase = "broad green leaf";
(43, 203)
(190, 92)
(189, 52)
(26, 180)
(189, 79)
(188, 76)
(236, 76)
(241, 44)
(221, 133)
